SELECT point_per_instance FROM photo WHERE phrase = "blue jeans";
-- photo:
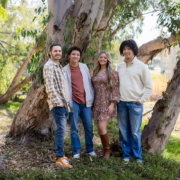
(86, 117)
(129, 117)
(60, 115)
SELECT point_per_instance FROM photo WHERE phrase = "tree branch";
(4, 98)
(105, 19)
(5, 32)
(149, 50)
(77, 6)
(6, 43)
(34, 50)
(119, 27)
(1, 43)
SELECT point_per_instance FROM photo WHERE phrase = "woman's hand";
(110, 108)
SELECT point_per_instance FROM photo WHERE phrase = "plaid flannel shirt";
(54, 83)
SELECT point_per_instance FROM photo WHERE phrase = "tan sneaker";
(54, 157)
(63, 162)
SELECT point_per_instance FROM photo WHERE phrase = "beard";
(55, 57)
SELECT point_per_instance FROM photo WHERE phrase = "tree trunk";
(166, 110)
(149, 50)
(33, 120)
(102, 20)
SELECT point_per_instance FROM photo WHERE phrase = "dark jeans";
(129, 117)
(86, 117)
(60, 115)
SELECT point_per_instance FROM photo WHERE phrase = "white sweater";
(134, 81)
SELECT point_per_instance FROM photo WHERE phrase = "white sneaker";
(93, 154)
(126, 160)
(76, 156)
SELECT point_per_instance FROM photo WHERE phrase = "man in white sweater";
(135, 86)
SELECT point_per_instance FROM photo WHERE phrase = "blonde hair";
(110, 82)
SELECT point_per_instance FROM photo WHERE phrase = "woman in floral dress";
(106, 86)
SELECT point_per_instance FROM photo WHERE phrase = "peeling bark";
(58, 8)
(101, 27)
(77, 6)
(83, 24)
(149, 50)
(33, 120)
(166, 110)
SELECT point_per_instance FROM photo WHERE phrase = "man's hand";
(137, 102)
(110, 109)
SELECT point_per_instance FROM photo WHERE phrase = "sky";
(150, 30)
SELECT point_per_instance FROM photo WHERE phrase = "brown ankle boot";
(106, 148)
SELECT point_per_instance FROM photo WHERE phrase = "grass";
(157, 166)
(10, 108)
(154, 167)
(172, 150)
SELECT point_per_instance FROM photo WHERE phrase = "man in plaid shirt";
(58, 100)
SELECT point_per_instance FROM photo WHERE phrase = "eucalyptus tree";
(166, 110)
(87, 24)
(13, 47)
(121, 14)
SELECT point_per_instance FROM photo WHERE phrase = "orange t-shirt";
(78, 92)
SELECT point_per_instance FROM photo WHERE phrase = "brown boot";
(106, 148)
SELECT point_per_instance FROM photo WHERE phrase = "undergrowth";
(164, 166)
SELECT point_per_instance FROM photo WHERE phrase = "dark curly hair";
(74, 48)
(131, 44)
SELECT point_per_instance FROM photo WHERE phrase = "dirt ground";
(33, 156)
(39, 155)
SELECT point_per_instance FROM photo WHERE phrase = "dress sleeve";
(115, 94)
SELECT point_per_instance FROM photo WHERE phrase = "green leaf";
(39, 10)
(34, 18)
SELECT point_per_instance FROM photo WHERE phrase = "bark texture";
(100, 28)
(149, 50)
(72, 24)
(33, 120)
(166, 110)
(83, 24)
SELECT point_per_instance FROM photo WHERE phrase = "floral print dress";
(103, 97)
